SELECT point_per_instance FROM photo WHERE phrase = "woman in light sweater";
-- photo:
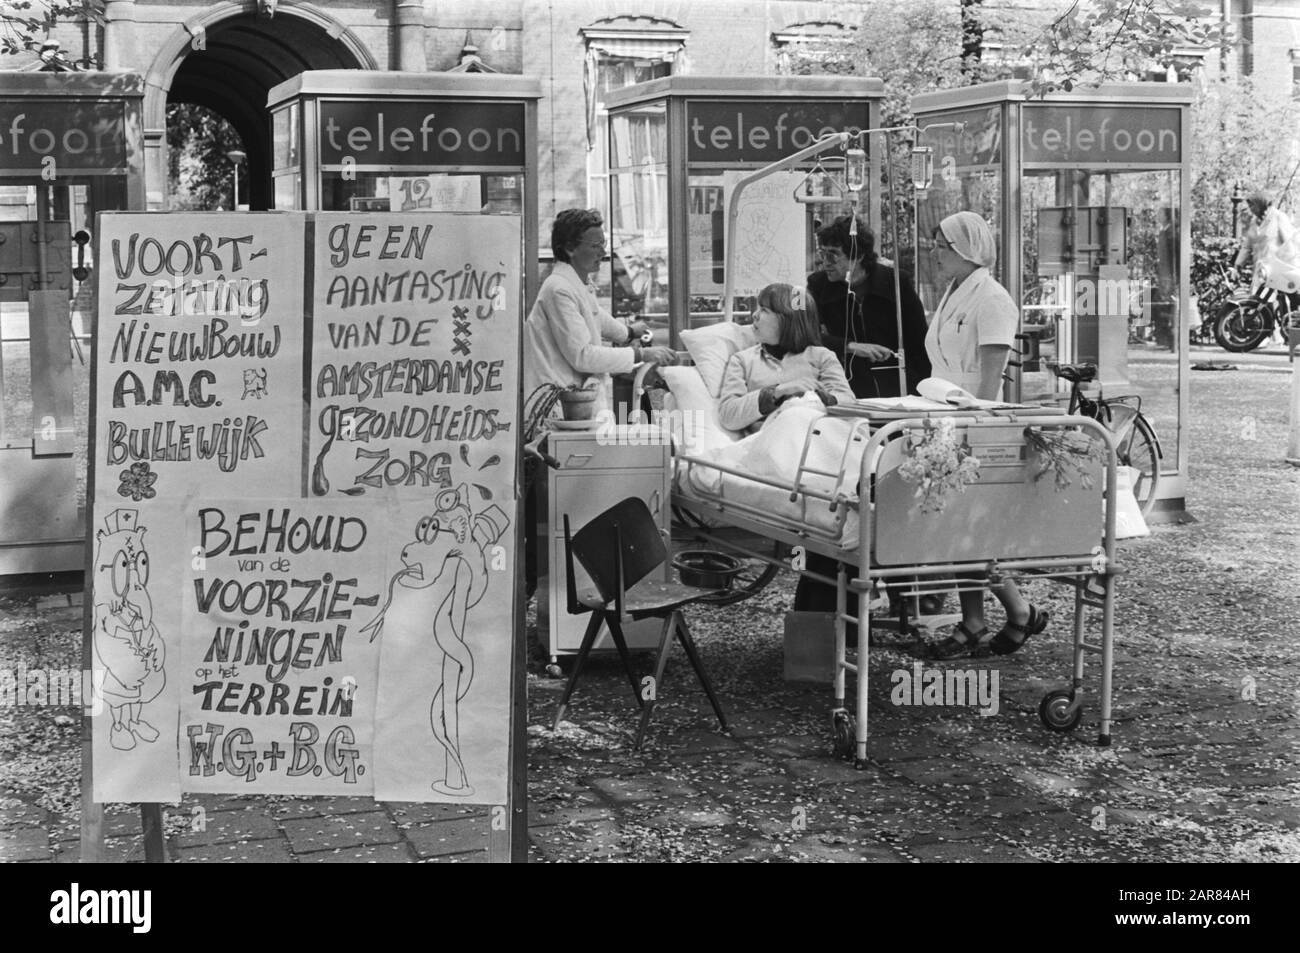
(569, 338)
(787, 362)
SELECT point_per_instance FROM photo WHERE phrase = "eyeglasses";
(830, 255)
(601, 247)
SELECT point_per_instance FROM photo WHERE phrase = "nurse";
(975, 326)
(969, 341)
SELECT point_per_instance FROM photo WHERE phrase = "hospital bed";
(846, 499)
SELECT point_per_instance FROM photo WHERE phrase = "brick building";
(227, 55)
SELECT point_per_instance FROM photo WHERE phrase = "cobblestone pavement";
(1195, 773)
(1205, 763)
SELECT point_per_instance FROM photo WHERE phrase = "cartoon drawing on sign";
(128, 647)
(444, 575)
(137, 482)
(759, 253)
(254, 383)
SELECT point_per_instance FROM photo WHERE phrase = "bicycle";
(1136, 443)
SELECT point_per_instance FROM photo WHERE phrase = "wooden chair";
(619, 549)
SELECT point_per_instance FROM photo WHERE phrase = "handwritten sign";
(409, 378)
(279, 675)
(435, 193)
(303, 569)
(771, 232)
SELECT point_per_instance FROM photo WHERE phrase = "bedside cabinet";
(597, 469)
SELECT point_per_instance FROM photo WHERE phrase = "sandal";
(1005, 642)
(961, 643)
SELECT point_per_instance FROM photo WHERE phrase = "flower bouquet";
(938, 464)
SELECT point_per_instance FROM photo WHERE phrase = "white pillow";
(711, 347)
(693, 418)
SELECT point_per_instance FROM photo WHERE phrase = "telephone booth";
(359, 140)
(70, 147)
(1088, 193)
(678, 147)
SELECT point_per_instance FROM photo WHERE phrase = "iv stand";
(837, 140)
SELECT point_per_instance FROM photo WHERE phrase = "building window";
(1181, 67)
(622, 51)
(998, 59)
(815, 48)
(1295, 74)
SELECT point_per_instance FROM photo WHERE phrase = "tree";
(937, 44)
(26, 24)
(1106, 40)
(1244, 132)
(200, 174)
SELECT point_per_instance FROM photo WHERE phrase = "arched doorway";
(228, 59)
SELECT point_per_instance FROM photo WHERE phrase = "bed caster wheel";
(1059, 711)
(844, 732)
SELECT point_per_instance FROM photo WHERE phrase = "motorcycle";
(1250, 315)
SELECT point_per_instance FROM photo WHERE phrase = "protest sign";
(304, 465)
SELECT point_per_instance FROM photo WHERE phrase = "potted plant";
(578, 403)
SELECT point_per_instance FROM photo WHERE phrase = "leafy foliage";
(1244, 133)
(1211, 256)
(25, 24)
(939, 463)
(200, 174)
(1065, 454)
(1108, 40)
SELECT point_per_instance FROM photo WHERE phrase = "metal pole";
(42, 254)
(825, 144)
(893, 237)
(1293, 441)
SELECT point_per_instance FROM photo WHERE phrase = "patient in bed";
(788, 361)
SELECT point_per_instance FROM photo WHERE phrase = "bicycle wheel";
(1136, 446)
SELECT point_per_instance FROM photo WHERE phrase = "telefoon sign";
(80, 135)
(425, 132)
(747, 130)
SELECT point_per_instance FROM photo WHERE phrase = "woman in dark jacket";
(855, 298)
(854, 295)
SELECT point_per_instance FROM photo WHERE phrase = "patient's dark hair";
(836, 235)
(568, 228)
(799, 324)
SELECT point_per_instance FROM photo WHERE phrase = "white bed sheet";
(772, 504)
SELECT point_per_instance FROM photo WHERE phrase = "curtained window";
(621, 52)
